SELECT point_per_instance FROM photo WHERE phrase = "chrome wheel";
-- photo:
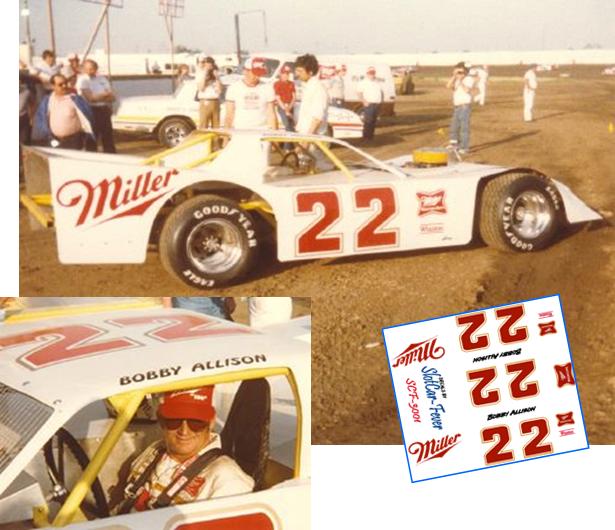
(214, 246)
(531, 214)
(174, 134)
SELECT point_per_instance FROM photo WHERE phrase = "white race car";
(78, 400)
(172, 118)
(209, 210)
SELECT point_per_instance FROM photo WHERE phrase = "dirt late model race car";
(78, 401)
(208, 210)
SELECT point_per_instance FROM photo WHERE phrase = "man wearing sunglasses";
(187, 464)
(63, 119)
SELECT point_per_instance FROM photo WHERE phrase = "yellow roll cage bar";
(199, 136)
(126, 405)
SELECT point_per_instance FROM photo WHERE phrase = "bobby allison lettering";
(198, 367)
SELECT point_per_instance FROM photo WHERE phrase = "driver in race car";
(187, 464)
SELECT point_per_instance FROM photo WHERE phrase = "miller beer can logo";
(114, 197)
(564, 419)
(547, 327)
(434, 448)
(431, 202)
(420, 352)
(564, 375)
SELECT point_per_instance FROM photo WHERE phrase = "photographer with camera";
(462, 86)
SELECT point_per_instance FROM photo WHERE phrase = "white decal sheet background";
(485, 388)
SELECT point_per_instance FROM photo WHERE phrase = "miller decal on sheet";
(485, 388)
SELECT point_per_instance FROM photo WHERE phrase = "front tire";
(173, 131)
(520, 212)
(208, 241)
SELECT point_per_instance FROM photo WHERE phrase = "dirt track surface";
(353, 298)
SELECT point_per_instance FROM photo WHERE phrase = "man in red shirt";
(284, 90)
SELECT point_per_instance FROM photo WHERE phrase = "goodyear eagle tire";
(520, 212)
(173, 131)
(208, 241)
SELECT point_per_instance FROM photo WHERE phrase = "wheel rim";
(531, 214)
(214, 246)
(174, 134)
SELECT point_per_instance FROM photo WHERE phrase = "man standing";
(48, 70)
(97, 92)
(188, 464)
(314, 99)
(249, 102)
(336, 88)
(462, 85)
(530, 83)
(209, 89)
(481, 74)
(285, 96)
(370, 93)
(62, 119)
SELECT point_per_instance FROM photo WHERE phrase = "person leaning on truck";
(209, 89)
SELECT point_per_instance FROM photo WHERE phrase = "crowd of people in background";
(65, 105)
(70, 105)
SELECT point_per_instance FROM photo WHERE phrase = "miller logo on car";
(495, 397)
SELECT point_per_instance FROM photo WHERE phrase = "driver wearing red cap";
(187, 465)
(249, 101)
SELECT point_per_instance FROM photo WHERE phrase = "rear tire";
(520, 212)
(173, 131)
(208, 241)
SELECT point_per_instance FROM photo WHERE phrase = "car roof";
(149, 353)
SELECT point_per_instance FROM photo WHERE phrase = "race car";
(209, 209)
(172, 118)
(78, 401)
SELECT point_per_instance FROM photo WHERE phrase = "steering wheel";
(56, 471)
(306, 164)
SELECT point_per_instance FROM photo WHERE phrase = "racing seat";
(245, 436)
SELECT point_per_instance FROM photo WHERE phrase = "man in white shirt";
(249, 101)
(370, 93)
(462, 86)
(188, 464)
(47, 70)
(481, 74)
(336, 88)
(313, 110)
(267, 310)
(530, 83)
(314, 97)
(96, 90)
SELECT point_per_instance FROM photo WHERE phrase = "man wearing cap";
(285, 97)
(530, 83)
(370, 93)
(187, 464)
(462, 86)
(249, 102)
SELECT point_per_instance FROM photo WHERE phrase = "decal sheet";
(485, 388)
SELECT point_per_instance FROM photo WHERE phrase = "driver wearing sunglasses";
(187, 464)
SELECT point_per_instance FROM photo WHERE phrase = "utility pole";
(52, 34)
(25, 12)
(237, 39)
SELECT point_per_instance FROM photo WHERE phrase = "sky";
(327, 26)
